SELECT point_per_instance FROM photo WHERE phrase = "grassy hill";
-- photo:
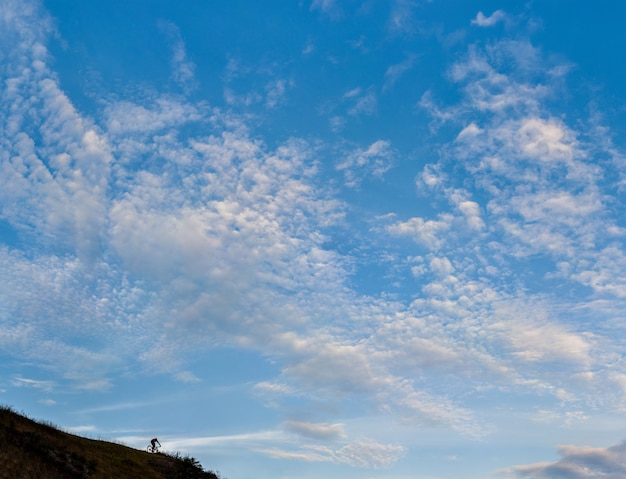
(34, 450)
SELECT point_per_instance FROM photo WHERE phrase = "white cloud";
(336, 368)
(44, 385)
(310, 454)
(431, 233)
(537, 339)
(482, 21)
(488, 89)
(266, 387)
(536, 170)
(440, 115)
(239, 92)
(337, 123)
(557, 205)
(355, 92)
(394, 72)
(471, 210)
(402, 18)
(470, 130)
(370, 454)
(276, 91)
(430, 178)
(441, 265)
(63, 176)
(544, 141)
(376, 160)
(536, 201)
(365, 104)
(183, 69)
(328, 7)
(24, 21)
(309, 47)
(354, 103)
(187, 377)
(125, 118)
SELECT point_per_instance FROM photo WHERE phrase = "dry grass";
(33, 450)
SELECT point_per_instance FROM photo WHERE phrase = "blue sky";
(380, 239)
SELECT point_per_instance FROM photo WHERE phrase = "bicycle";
(152, 449)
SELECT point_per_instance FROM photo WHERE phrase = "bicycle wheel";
(149, 449)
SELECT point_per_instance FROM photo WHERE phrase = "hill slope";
(32, 450)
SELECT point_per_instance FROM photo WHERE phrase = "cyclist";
(154, 441)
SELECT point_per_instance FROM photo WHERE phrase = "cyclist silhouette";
(154, 442)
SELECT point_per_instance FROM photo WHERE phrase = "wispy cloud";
(375, 160)
(402, 17)
(271, 95)
(183, 69)
(124, 118)
(358, 454)
(482, 21)
(44, 385)
(276, 91)
(395, 72)
(332, 8)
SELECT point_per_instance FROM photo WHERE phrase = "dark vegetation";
(35, 450)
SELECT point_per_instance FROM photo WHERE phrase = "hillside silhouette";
(35, 450)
